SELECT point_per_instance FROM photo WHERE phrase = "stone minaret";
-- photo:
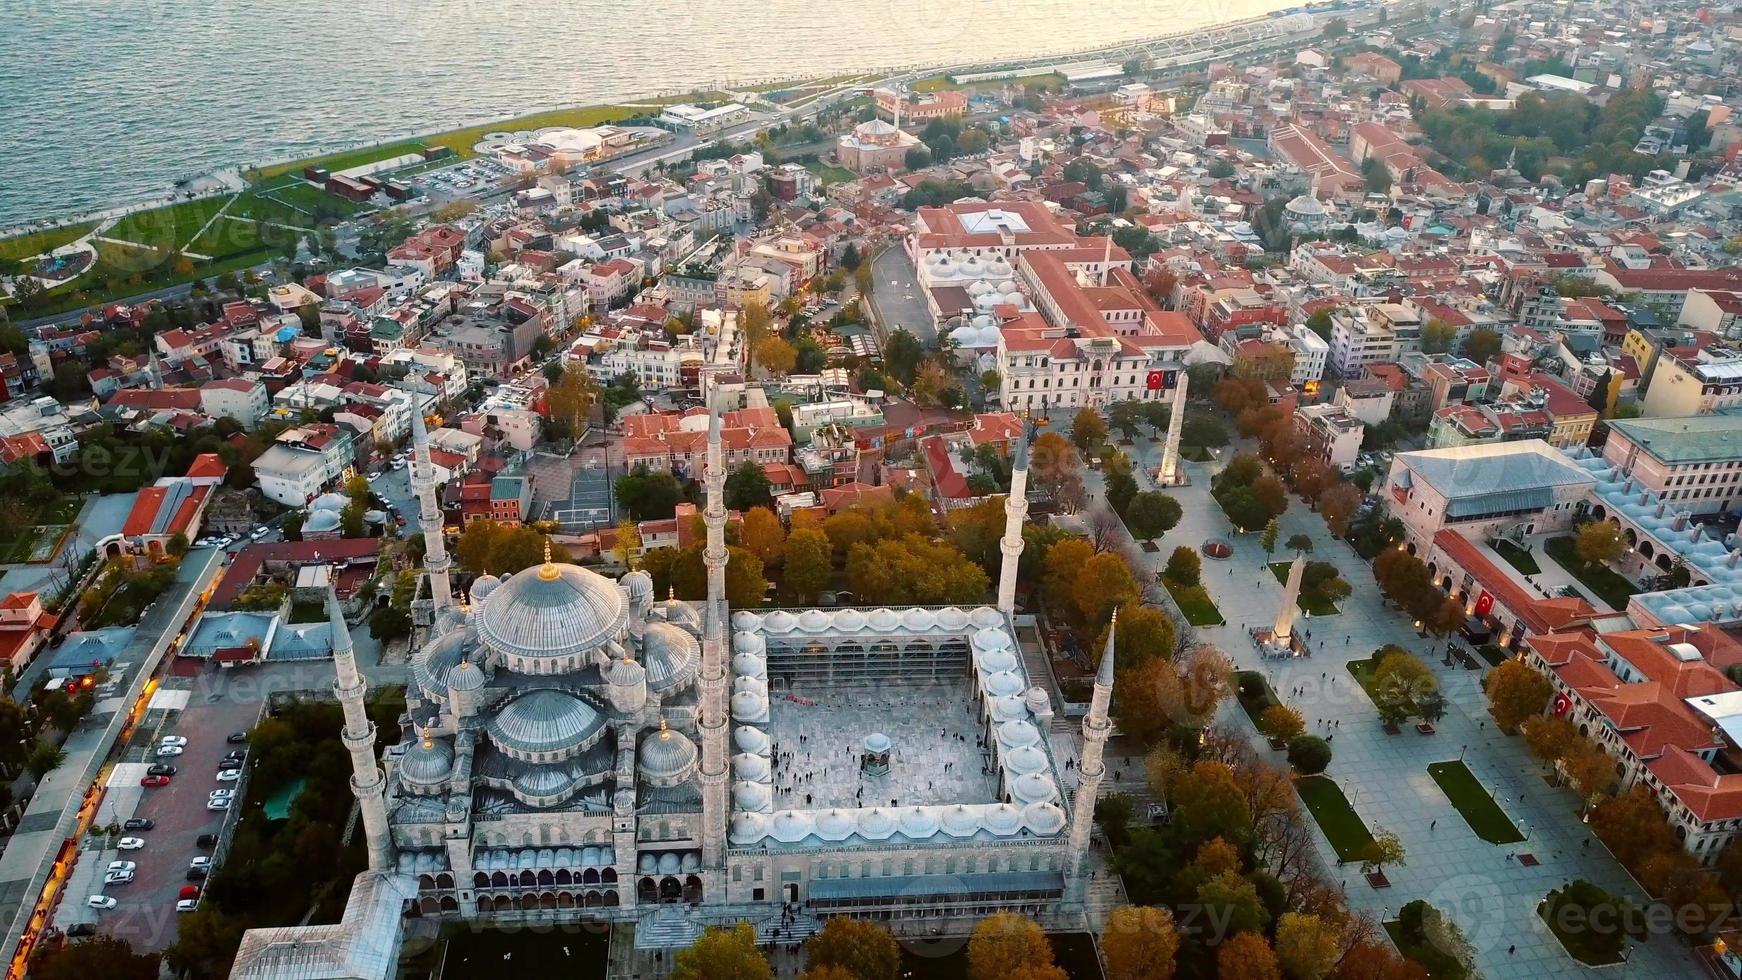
(1169, 475)
(429, 515)
(1096, 728)
(1015, 512)
(713, 715)
(367, 781)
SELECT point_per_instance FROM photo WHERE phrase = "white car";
(172, 740)
(117, 877)
(219, 803)
(187, 905)
(257, 533)
(99, 902)
(115, 866)
(229, 775)
(131, 843)
(221, 794)
(203, 861)
(165, 751)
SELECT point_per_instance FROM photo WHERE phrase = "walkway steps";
(667, 927)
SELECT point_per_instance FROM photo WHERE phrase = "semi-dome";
(666, 757)
(552, 611)
(672, 656)
(876, 824)
(546, 720)
(748, 828)
(543, 785)
(749, 739)
(427, 763)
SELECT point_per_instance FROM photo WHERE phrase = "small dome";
(814, 621)
(1003, 819)
(749, 739)
(918, 619)
(666, 757)
(637, 586)
(752, 684)
(1025, 760)
(1004, 683)
(321, 522)
(482, 586)
(1016, 734)
(624, 672)
(745, 620)
(670, 863)
(995, 661)
(747, 642)
(780, 621)
(876, 824)
(790, 826)
(748, 828)
(751, 767)
(835, 825)
(546, 720)
(749, 665)
(334, 502)
(986, 617)
(1009, 709)
(918, 822)
(1034, 788)
(850, 620)
(466, 676)
(756, 797)
(884, 619)
(749, 707)
(647, 864)
(952, 618)
(991, 639)
(1044, 819)
(877, 742)
(429, 761)
(961, 820)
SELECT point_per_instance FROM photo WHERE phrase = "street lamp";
(1461, 749)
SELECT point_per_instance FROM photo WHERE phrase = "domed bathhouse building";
(576, 748)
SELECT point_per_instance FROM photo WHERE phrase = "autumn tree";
(1144, 633)
(1481, 344)
(1281, 722)
(860, 946)
(1088, 430)
(1437, 336)
(1589, 769)
(776, 356)
(913, 570)
(762, 533)
(1549, 736)
(1006, 944)
(1306, 946)
(1246, 957)
(1064, 560)
(1385, 848)
(1232, 899)
(745, 585)
(1104, 583)
(1633, 826)
(1337, 506)
(1208, 802)
(570, 400)
(1516, 692)
(1140, 943)
(723, 954)
(809, 563)
(1599, 542)
(628, 544)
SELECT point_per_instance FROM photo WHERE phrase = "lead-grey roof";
(546, 720)
(552, 611)
(918, 886)
(1486, 469)
(671, 656)
(1698, 439)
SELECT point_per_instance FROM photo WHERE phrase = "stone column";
(1169, 475)
(1285, 613)
(1015, 512)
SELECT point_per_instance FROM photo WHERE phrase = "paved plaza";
(1491, 895)
(935, 757)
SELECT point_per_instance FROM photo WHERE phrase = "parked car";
(202, 861)
(121, 866)
(237, 738)
(172, 740)
(131, 843)
(80, 930)
(197, 874)
(139, 823)
(117, 877)
(154, 781)
(161, 769)
(229, 775)
(165, 751)
(189, 891)
(99, 902)
(207, 840)
(221, 794)
(221, 804)
(187, 905)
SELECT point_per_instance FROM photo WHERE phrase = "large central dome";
(552, 611)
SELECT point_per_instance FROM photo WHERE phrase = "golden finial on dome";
(549, 572)
(664, 732)
(428, 741)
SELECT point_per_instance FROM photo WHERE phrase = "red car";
(190, 891)
(154, 781)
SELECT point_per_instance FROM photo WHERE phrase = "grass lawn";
(1473, 800)
(17, 544)
(1520, 559)
(227, 237)
(829, 175)
(1610, 585)
(1261, 695)
(294, 202)
(1362, 671)
(1343, 827)
(37, 242)
(1316, 605)
(1194, 603)
(1196, 454)
(1495, 655)
(342, 160)
(170, 226)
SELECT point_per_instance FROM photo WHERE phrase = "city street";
(897, 298)
(1491, 895)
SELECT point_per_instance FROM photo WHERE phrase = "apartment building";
(1695, 382)
(1693, 463)
(1372, 334)
(1331, 433)
(303, 462)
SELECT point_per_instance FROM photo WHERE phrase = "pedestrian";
(1511, 950)
(1431, 824)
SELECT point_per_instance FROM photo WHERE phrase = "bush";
(1183, 566)
(1309, 754)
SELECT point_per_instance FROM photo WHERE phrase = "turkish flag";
(1154, 381)
(1562, 704)
(1484, 604)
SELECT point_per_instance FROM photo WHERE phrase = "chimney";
(1735, 556)
(1699, 532)
(1681, 521)
(1628, 488)
(1661, 506)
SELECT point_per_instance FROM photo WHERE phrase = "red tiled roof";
(1526, 605)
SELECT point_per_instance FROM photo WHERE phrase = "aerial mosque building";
(575, 748)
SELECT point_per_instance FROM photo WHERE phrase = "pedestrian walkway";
(1492, 896)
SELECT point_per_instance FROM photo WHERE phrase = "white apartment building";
(304, 462)
(1709, 380)
(237, 398)
(430, 371)
(1716, 310)
(1693, 463)
(1381, 332)
(1312, 353)
(1332, 434)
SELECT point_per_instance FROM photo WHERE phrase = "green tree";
(902, 354)
(648, 495)
(45, 758)
(1481, 344)
(1309, 754)
(1599, 542)
(723, 954)
(1437, 336)
(98, 957)
(1151, 514)
(1183, 566)
(747, 486)
(809, 563)
(1267, 538)
(1232, 899)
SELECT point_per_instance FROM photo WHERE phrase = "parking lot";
(145, 911)
(470, 177)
